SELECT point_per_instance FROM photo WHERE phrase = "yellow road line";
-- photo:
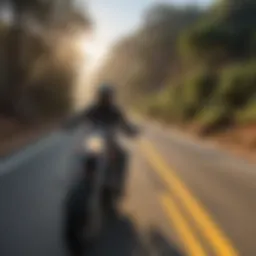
(192, 245)
(220, 243)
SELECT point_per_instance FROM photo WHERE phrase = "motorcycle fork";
(95, 203)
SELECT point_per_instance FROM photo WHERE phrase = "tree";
(225, 35)
(30, 16)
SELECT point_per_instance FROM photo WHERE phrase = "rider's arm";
(79, 118)
(126, 126)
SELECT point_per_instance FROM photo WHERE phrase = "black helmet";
(106, 90)
(105, 93)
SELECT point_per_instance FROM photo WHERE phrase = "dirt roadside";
(14, 135)
(239, 141)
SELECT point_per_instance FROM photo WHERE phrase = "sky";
(115, 18)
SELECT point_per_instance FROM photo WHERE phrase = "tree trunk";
(14, 65)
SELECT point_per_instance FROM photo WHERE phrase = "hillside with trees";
(190, 66)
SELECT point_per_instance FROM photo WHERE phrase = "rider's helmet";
(106, 93)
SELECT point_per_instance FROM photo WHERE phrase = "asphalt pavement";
(183, 198)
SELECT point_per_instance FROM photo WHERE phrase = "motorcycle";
(98, 191)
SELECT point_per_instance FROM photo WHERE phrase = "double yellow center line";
(219, 242)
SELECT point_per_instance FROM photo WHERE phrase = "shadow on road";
(118, 238)
(160, 246)
(121, 238)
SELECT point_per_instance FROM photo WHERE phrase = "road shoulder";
(214, 142)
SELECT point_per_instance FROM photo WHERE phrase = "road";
(183, 198)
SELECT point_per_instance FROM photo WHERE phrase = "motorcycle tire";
(108, 201)
(75, 220)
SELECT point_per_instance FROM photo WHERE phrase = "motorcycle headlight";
(95, 144)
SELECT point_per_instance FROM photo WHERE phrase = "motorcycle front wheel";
(109, 202)
(76, 220)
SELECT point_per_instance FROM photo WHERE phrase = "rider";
(106, 113)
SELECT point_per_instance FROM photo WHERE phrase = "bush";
(237, 85)
(248, 114)
(150, 107)
(214, 117)
(197, 91)
(206, 42)
(182, 102)
(174, 104)
(165, 106)
(214, 105)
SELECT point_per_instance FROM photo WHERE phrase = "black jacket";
(105, 115)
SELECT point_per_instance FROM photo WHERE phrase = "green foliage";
(183, 102)
(238, 85)
(248, 114)
(211, 103)
(164, 106)
(174, 103)
(214, 117)
(197, 91)
(206, 42)
(234, 99)
(225, 34)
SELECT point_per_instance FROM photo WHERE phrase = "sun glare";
(95, 53)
